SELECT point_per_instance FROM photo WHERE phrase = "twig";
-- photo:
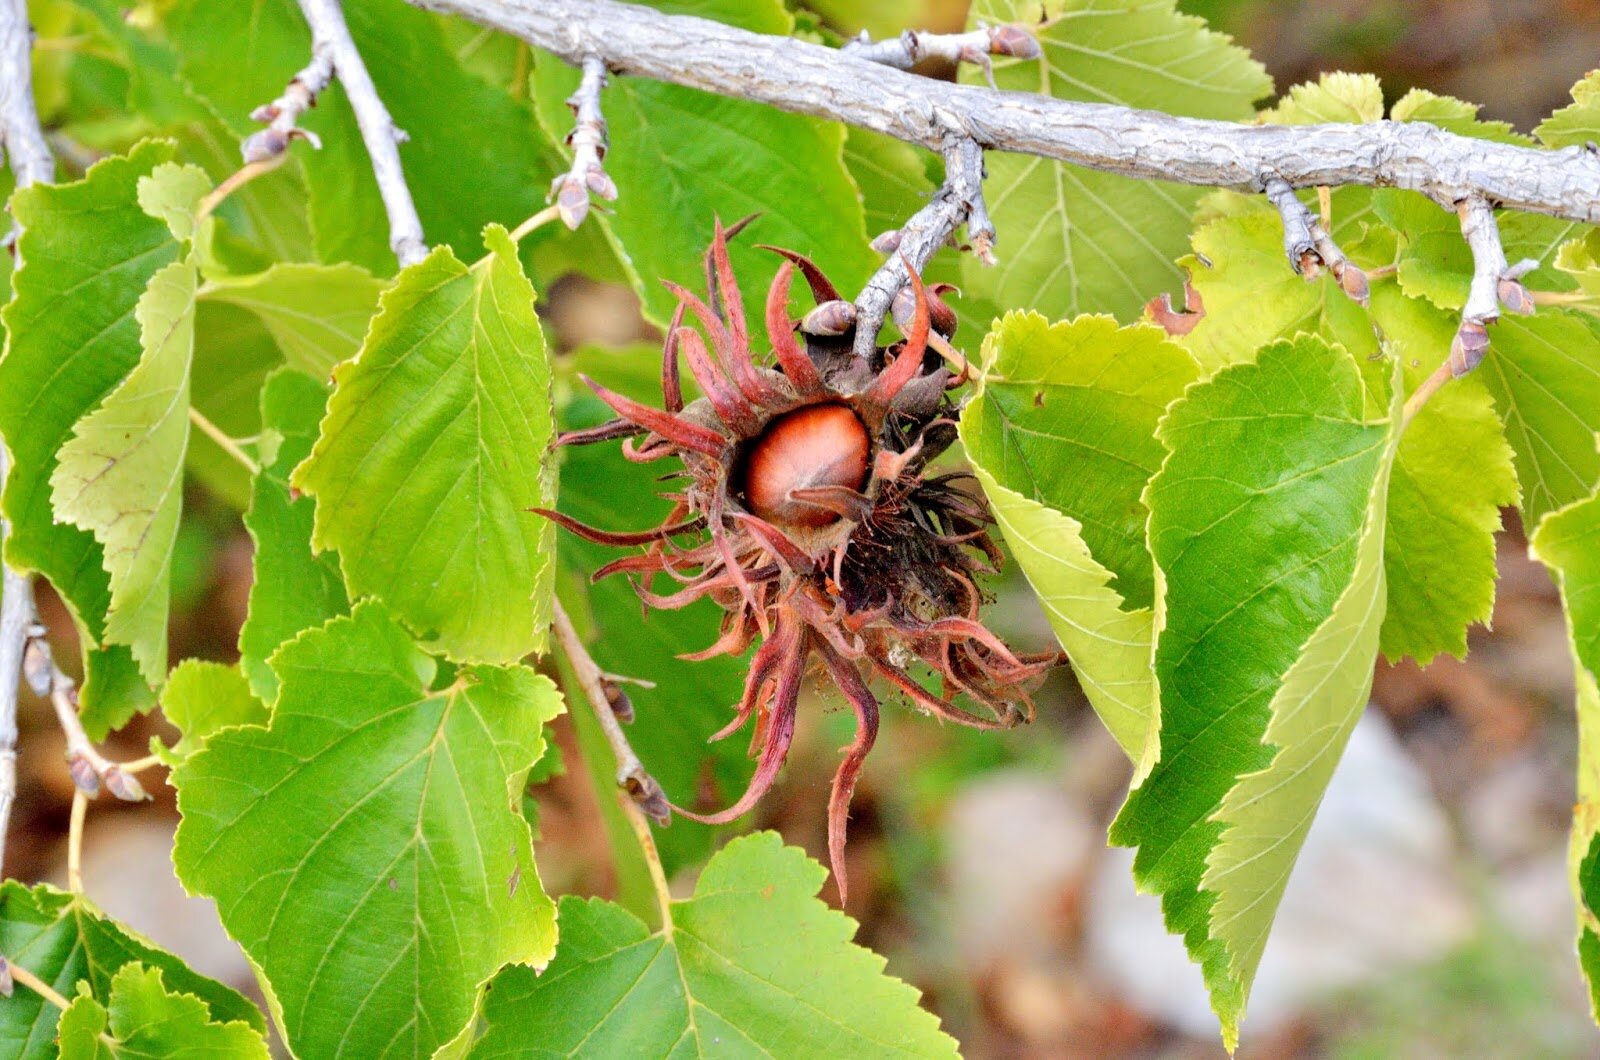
(331, 37)
(806, 78)
(538, 220)
(31, 163)
(80, 810)
(913, 46)
(1308, 244)
(958, 201)
(89, 768)
(283, 113)
(641, 787)
(588, 142)
(1425, 390)
(1494, 283)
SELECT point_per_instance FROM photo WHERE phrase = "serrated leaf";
(1063, 441)
(293, 588)
(1578, 123)
(90, 251)
(201, 698)
(1452, 474)
(317, 314)
(680, 157)
(1074, 240)
(1252, 296)
(120, 475)
(1451, 477)
(432, 452)
(463, 174)
(63, 939)
(690, 700)
(1335, 97)
(1568, 542)
(752, 965)
(1266, 523)
(1452, 115)
(369, 840)
(1544, 374)
(143, 1018)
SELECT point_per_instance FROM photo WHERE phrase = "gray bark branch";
(806, 78)
(330, 35)
(31, 163)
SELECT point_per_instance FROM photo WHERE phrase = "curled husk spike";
(808, 516)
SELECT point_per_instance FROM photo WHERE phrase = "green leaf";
(1544, 374)
(1578, 123)
(463, 174)
(1063, 441)
(1568, 542)
(1074, 240)
(63, 939)
(680, 157)
(432, 452)
(1443, 509)
(1334, 98)
(1252, 296)
(1267, 525)
(752, 965)
(1452, 115)
(1452, 476)
(90, 251)
(316, 313)
(120, 475)
(201, 698)
(366, 849)
(144, 1019)
(233, 355)
(293, 588)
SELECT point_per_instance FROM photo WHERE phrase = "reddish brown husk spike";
(807, 515)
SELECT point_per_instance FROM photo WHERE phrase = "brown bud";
(829, 318)
(1470, 346)
(600, 183)
(1014, 41)
(621, 703)
(940, 316)
(124, 786)
(38, 669)
(1514, 296)
(887, 242)
(84, 778)
(572, 200)
(1354, 282)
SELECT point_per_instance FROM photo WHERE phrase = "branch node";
(975, 46)
(1308, 244)
(588, 140)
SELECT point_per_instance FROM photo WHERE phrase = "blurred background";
(1429, 915)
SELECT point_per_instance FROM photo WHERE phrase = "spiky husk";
(888, 579)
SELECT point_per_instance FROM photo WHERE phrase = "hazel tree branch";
(1495, 283)
(959, 201)
(1309, 245)
(588, 142)
(333, 48)
(611, 709)
(913, 46)
(88, 767)
(806, 78)
(31, 163)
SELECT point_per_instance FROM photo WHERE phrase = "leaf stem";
(224, 441)
(37, 985)
(538, 220)
(1428, 387)
(658, 875)
(631, 774)
(234, 181)
(80, 809)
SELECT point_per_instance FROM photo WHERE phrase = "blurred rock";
(127, 871)
(1375, 889)
(1018, 847)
